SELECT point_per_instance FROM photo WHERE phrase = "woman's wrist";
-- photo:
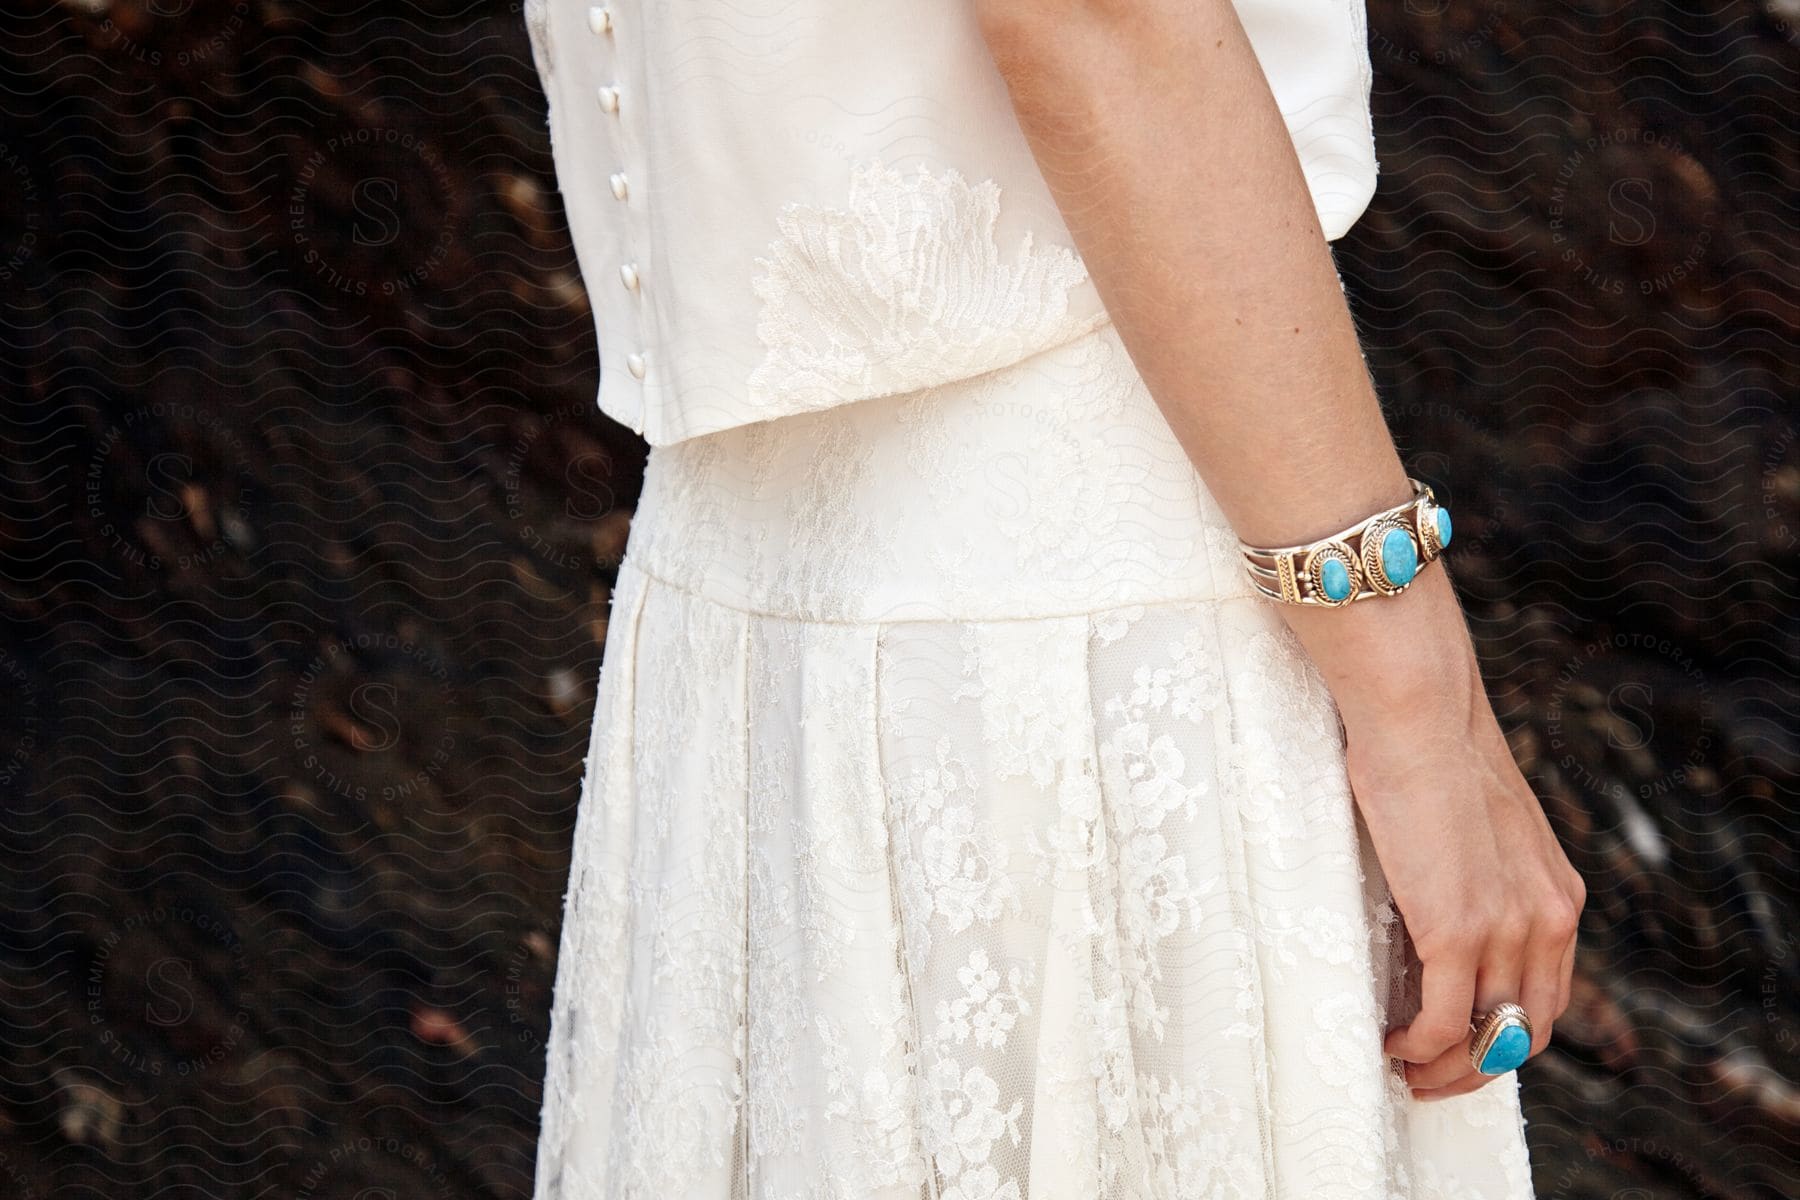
(1392, 660)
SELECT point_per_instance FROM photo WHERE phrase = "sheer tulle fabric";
(956, 824)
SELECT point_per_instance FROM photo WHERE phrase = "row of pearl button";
(601, 23)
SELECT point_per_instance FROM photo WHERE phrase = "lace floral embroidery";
(903, 288)
(960, 870)
(1065, 899)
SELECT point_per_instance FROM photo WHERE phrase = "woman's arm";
(1163, 145)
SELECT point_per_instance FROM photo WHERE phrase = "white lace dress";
(958, 824)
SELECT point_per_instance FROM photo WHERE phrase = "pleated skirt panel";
(1056, 908)
(886, 893)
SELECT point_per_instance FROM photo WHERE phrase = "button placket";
(611, 100)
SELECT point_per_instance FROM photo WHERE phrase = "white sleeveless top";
(783, 205)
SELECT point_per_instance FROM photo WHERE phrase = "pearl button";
(609, 99)
(600, 19)
(617, 179)
(628, 276)
(635, 364)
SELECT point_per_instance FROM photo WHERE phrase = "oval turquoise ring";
(1502, 1039)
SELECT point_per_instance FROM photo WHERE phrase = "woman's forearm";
(1158, 135)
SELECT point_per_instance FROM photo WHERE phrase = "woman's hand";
(1489, 898)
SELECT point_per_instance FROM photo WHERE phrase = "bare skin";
(1163, 145)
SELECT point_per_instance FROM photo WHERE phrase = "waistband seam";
(630, 564)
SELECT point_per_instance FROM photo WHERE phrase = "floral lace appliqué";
(904, 287)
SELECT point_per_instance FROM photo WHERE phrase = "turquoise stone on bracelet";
(1510, 1048)
(1399, 558)
(1443, 527)
(1335, 577)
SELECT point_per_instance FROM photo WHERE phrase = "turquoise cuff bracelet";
(1380, 555)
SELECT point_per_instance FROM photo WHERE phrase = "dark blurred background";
(309, 525)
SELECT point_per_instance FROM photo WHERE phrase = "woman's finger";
(1566, 974)
(1447, 1068)
(1446, 992)
(1461, 1087)
(1542, 986)
(1496, 981)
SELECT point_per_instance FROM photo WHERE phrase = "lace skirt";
(958, 824)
